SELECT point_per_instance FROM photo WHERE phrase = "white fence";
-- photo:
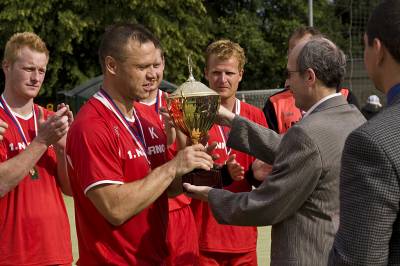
(256, 97)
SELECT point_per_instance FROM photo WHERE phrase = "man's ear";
(379, 50)
(241, 72)
(110, 64)
(310, 76)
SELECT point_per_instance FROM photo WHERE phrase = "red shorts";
(182, 239)
(208, 258)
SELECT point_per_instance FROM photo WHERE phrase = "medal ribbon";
(224, 134)
(15, 121)
(105, 99)
(33, 173)
(141, 136)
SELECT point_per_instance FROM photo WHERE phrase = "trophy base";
(200, 177)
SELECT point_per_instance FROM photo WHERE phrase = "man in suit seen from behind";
(369, 232)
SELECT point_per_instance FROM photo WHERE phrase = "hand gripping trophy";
(193, 108)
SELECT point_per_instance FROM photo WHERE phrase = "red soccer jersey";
(101, 150)
(34, 227)
(227, 238)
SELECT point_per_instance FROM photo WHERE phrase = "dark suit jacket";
(300, 197)
(369, 232)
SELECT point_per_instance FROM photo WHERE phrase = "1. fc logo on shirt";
(136, 154)
(20, 146)
(17, 147)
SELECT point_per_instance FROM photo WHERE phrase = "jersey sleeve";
(94, 155)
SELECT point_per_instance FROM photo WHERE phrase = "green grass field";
(263, 245)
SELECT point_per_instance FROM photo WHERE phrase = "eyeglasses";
(287, 72)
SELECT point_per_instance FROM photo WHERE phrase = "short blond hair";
(225, 49)
(20, 40)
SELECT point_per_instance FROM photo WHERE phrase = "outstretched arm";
(294, 176)
(119, 202)
(254, 139)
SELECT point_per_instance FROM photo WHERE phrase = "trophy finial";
(190, 65)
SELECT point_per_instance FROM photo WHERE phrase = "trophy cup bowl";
(193, 108)
(193, 114)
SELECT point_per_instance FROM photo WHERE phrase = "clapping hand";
(52, 130)
(62, 142)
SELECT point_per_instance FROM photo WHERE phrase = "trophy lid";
(192, 87)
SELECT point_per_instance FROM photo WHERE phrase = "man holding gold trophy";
(120, 199)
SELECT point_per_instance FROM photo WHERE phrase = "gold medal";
(34, 174)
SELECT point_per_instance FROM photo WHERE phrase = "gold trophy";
(193, 108)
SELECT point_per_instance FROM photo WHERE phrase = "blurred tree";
(72, 30)
(61, 27)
